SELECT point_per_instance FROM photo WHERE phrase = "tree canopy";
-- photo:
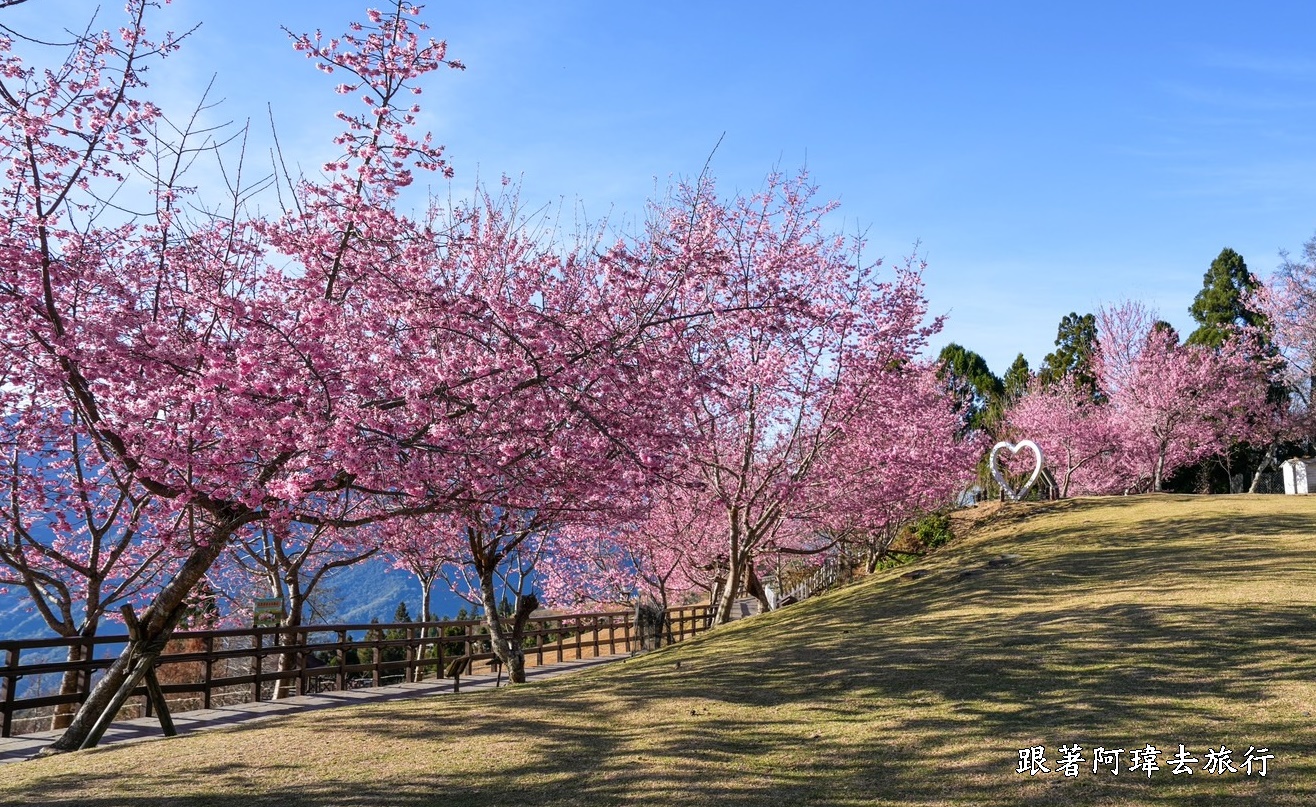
(972, 384)
(1071, 361)
(1224, 303)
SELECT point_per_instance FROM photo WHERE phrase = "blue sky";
(1048, 157)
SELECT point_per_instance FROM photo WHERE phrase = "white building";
(1299, 475)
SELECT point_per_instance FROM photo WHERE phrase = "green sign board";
(267, 610)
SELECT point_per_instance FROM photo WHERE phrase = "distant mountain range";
(369, 590)
(18, 620)
(372, 590)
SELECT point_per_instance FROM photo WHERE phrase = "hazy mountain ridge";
(368, 590)
(19, 619)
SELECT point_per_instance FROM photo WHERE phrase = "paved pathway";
(26, 746)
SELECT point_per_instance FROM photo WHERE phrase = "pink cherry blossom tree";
(496, 551)
(1288, 301)
(792, 376)
(1079, 442)
(78, 537)
(1161, 406)
(290, 560)
(1174, 404)
(669, 553)
(422, 546)
(205, 373)
(242, 369)
(899, 456)
(425, 546)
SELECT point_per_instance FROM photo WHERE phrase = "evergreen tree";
(973, 385)
(1076, 340)
(1160, 326)
(1015, 381)
(373, 633)
(1221, 305)
(402, 614)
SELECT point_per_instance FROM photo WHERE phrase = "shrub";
(932, 530)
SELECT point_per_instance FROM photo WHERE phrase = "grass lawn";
(1115, 622)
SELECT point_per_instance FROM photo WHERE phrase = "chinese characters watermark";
(1146, 760)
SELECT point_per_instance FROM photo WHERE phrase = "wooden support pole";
(141, 660)
(153, 690)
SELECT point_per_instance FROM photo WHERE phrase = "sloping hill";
(1117, 623)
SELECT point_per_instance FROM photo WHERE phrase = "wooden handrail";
(247, 657)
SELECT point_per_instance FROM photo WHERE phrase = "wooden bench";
(460, 665)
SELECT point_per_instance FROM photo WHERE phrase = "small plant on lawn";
(932, 530)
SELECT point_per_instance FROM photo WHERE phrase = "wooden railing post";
(216, 676)
(409, 673)
(11, 688)
(438, 652)
(256, 666)
(308, 659)
(341, 678)
(84, 677)
(302, 677)
(378, 658)
(210, 671)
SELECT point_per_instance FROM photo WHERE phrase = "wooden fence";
(204, 669)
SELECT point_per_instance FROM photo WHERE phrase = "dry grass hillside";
(1105, 622)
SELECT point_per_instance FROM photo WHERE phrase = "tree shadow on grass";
(899, 692)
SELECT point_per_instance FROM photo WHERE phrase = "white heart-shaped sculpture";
(1015, 495)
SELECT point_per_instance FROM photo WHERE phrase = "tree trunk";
(506, 647)
(870, 563)
(283, 687)
(754, 587)
(426, 583)
(727, 598)
(157, 623)
(70, 684)
(1266, 462)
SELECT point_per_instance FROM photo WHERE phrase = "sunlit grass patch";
(1111, 622)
